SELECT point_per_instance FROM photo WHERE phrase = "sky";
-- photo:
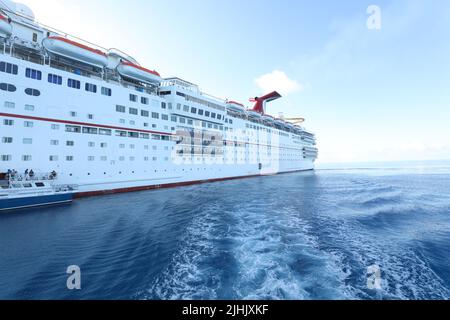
(369, 94)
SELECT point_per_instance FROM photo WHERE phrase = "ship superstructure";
(105, 123)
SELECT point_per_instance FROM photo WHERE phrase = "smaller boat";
(236, 106)
(5, 26)
(21, 193)
(268, 119)
(133, 71)
(70, 49)
(280, 122)
(254, 114)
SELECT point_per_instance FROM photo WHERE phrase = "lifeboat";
(268, 119)
(290, 126)
(236, 106)
(5, 26)
(280, 122)
(130, 70)
(254, 114)
(117, 54)
(76, 51)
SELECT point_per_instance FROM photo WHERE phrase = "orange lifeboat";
(5, 26)
(133, 71)
(67, 48)
(236, 106)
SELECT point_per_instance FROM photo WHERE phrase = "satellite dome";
(25, 11)
(19, 8)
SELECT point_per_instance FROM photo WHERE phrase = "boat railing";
(18, 177)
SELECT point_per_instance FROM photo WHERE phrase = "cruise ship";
(95, 119)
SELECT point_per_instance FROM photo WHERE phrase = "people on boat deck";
(27, 175)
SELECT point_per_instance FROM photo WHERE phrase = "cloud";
(279, 81)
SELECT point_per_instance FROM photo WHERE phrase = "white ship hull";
(106, 135)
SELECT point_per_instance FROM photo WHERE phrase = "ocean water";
(293, 236)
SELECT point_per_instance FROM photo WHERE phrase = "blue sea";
(293, 236)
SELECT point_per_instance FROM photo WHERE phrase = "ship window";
(7, 140)
(7, 87)
(144, 100)
(40, 184)
(170, 106)
(35, 37)
(90, 87)
(156, 137)
(200, 112)
(190, 121)
(120, 108)
(32, 92)
(33, 74)
(163, 105)
(8, 122)
(6, 157)
(186, 108)
(207, 113)
(75, 129)
(10, 105)
(55, 79)
(133, 111)
(133, 134)
(219, 117)
(182, 120)
(53, 158)
(28, 124)
(173, 118)
(155, 115)
(133, 97)
(121, 133)
(75, 84)
(194, 110)
(165, 138)
(213, 115)
(105, 132)
(145, 113)
(106, 92)
(165, 93)
(8, 68)
(145, 136)
(29, 107)
(26, 158)
(90, 116)
(27, 141)
(90, 130)
(165, 117)
(68, 158)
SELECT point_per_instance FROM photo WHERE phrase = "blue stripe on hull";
(19, 203)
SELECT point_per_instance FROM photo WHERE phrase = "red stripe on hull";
(170, 185)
